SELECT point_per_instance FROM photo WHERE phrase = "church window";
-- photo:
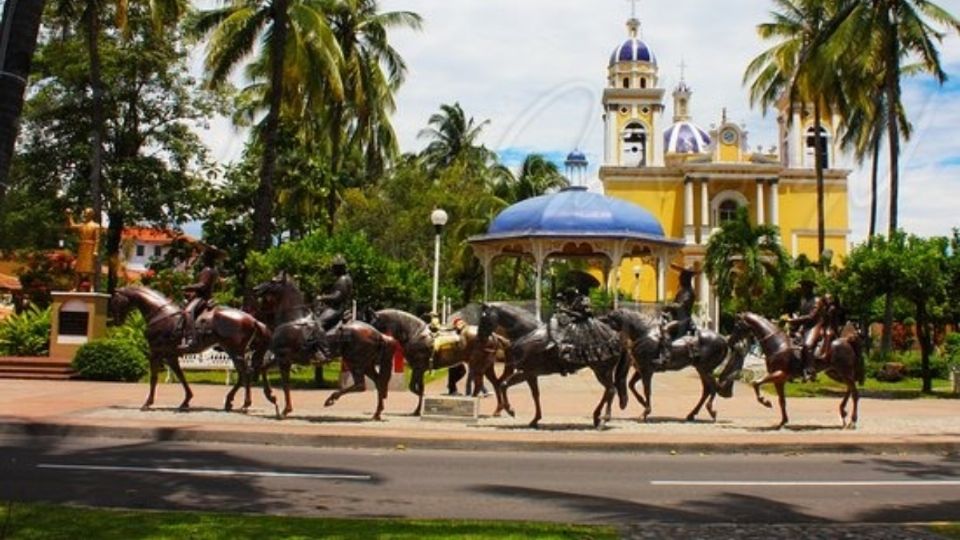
(727, 211)
(626, 82)
(643, 82)
(811, 147)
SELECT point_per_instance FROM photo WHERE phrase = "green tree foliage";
(26, 333)
(914, 269)
(379, 280)
(748, 266)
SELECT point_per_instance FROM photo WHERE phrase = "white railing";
(208, 360)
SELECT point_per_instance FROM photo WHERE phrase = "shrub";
(951, 348)
(27, 333)
(133, 331)
(110, 360)
(911, 361)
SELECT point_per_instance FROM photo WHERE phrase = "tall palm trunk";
(873, 186)
(892, 86)
(18, 39)
(818, 165)
(336, 165)
(97, 121)
(263, 211)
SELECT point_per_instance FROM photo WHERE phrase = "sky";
(536, 70)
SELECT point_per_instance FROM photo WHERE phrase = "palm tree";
(453, 136)
(794, 71)
(372, 72)
(746, 263)
(234, 31)
(20, 26)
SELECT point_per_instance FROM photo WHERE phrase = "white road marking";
(206, 472)
(841, 483)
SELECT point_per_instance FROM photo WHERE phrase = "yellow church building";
(693, 179)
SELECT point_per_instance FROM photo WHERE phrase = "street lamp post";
(439, 218)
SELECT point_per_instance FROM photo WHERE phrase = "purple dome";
(685, 138)
(632, 50)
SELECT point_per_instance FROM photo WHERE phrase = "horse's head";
(614, 319)
(119, 306)
(489, 320)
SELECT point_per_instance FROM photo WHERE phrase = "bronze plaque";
(450, 408)
(73, 323)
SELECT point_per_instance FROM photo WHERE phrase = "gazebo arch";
(574, 223)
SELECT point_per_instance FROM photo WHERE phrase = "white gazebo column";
(617, 260)
(486, 257)
(662, 277)
(689, 230)
(760, 205)
(704, 211)
(775, 202)
(704, 294)
(539, 257)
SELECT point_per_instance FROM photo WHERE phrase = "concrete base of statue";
(76, 318)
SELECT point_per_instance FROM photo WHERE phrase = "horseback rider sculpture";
(200, 294)
(334, 305)
(575, 330)
(818, 323)
(681, 318)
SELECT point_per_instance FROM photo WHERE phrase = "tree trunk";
(336, 166)
(18, 39)
(873, 187)
(263, 210)
(97, 122)
(114, 237)
(818, 165)
(892, 83)
(923, 335)
(886, 338)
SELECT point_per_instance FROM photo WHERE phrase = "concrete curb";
(194, 434)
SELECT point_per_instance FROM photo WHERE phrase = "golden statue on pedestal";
(89, 242)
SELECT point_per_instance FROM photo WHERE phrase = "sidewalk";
(79, 408)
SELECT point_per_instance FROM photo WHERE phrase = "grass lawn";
(905, 389)
(46, 521)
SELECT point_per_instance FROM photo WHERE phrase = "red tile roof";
(155, 235)
(9, 283)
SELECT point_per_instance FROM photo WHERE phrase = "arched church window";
(643, 82)
(727, 211)
(811, 145)
(626, 82)
(635, 145)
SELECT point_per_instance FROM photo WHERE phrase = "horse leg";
(382, 384)
(506, 382)
(705, 392)
(285, 383)
(359, 385)
(491, 374)
(534, 385)
(648, 392)
(154, 376)
(187, 392)
(240, 368)
(634, 379)
(769, 377)
(782, 398)
(855, 392)
(416, 386)
(609, 391)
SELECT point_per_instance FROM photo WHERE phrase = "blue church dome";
(685, 138)
(575, 212)
(632, 50)
(576, 157)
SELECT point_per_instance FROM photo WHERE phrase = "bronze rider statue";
(200, 296)
(815, 325)
(332, 306)
(681, 315)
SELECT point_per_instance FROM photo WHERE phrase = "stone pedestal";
(75, 319)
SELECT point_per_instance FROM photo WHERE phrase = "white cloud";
(537, 69)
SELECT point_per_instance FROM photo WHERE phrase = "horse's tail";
(620, 377)
(731, 370)
(259, 344)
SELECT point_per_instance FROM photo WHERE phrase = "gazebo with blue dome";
(573, 223)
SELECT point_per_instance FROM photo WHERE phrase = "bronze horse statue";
(298, 338)
(420, 350)
(641, 336)
(533, 352)
(235, 331)
(784, 363)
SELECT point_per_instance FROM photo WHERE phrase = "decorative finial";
(724, 115)
(633, 25)
(683, 70)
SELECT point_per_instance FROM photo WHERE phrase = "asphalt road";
(610, 488)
